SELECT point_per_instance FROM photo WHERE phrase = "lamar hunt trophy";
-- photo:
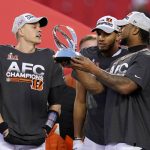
(64, 53)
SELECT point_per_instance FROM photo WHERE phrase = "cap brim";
(104, 28)
(122, 22)
(42, 20)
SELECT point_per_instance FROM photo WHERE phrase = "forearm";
(121, 84)
(79, 118)
(79, 109)
(56, 107)
(89, 82)
(53, 116)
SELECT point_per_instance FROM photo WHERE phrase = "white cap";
(107, 24)
(137, 19)
(21, 20)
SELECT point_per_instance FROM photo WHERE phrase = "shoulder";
(6, 48)
(121, 52)
(124, 51)
(143, 54)
(145, 51)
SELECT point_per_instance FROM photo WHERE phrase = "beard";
(124, 42)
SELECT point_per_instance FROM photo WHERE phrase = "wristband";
(3, 127)
(52, 118)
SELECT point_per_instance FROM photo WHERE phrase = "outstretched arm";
(89, 82)
(118, 83)
(121, 84)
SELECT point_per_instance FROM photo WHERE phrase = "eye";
(98, 32)
(34, 26)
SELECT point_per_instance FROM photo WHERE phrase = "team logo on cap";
(105, 23)
(29, 16)
(128, 16)
(20, 22)
(108, 22)
(109, 19)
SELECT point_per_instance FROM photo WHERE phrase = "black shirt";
(94, 124)
(28, 83)
(127, 117)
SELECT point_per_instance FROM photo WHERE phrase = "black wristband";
(3, 127)
(52, 118)
(47, 128)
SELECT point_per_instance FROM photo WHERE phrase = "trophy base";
(63, 60)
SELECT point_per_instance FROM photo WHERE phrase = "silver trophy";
(64, 53)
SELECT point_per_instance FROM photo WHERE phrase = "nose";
(39, 29)
(101, 37)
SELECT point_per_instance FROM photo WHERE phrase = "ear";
(135, 30)
(21, 32)
(118, 37)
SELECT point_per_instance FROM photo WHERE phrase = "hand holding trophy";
(64, 53)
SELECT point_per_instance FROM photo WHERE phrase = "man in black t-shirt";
(30, 87)
(106, 51)
(127, 109)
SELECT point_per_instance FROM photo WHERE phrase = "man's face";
(106, 41)
(32, 33)
(125, 34)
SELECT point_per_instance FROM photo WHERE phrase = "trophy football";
(65, 53)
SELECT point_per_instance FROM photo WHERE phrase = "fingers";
(78, 61)
(5, 133)
(79, 58)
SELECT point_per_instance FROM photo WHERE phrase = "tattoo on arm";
(119, 83)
